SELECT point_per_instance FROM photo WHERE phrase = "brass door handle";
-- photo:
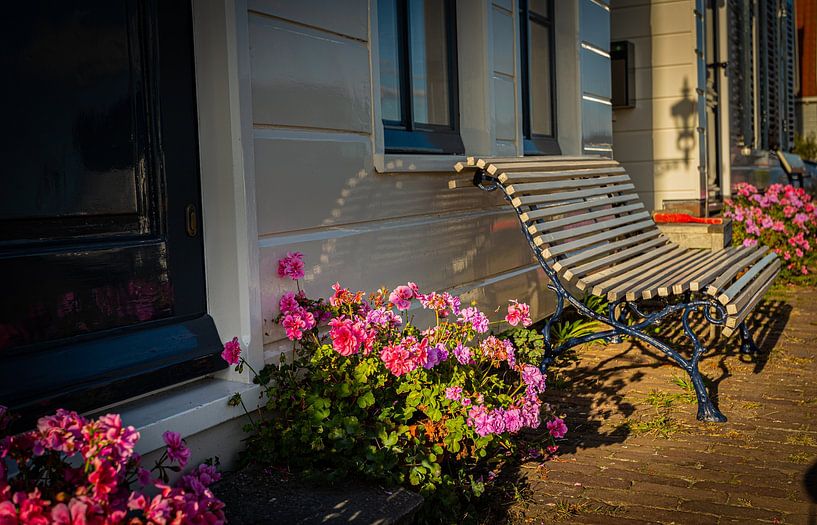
(191, 220)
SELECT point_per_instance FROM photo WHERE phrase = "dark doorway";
(101, 255)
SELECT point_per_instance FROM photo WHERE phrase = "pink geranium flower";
(344, 337)
(295, 324)
(288, 303)
(477, 319)
(292, 266)
(454, 393)
(103, 478)
(518, 313)
(232, 351)
(397, 359)
(557, 428)
(401, 297)
(176, 448)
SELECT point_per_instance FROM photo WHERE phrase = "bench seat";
(588, 227)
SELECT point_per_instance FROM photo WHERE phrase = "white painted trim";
(405, 163)
(475, 72)
(593, 49)
(475, 67)
(568, 78)
(595, 98)
(188, 409)
(221, 36)
(378, 140)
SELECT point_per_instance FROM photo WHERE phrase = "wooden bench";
(587, 227)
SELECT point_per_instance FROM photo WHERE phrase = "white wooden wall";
(324, 187)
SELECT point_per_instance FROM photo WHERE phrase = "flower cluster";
(371, 392)
(300, 314)
(73, 470)
(365, 327)
(783, 218)
(292, 266)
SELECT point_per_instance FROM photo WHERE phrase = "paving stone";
(750, 469)
(734, 511)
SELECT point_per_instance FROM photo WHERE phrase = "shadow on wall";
(683, 116)
(683, 113)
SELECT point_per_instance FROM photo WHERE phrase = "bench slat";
(698, 282)
(604, 248)
(527, 200)
(626, 259)
(609, 283)
(735, 268)
(655, 275)
(550, 186)
(650, 289)
(537, 176)
(497, 169)
(608, 235)
(683, 282)
(733, 321)
(736, 287)
(550, 211)
(576, 231)
(747, 293)
(583, 217)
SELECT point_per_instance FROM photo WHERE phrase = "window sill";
(404, 163)
(188, 409)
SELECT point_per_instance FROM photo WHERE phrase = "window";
(418, 76)
(538, 79)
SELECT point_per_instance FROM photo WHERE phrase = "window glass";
(429, 64)
(541, 119)
(389, 60)
(540, 7)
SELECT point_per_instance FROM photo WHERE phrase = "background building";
(714, 87)
(806, 102)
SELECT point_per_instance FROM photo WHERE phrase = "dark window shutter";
(741, 73)
(788, 27)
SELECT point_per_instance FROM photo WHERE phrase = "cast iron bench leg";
(747, 343)
(706, 409)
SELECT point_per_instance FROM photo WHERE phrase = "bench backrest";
(583, 213)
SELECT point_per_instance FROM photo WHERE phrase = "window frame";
(406, 135)
(537, 144)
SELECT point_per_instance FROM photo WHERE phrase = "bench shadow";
(591, 395)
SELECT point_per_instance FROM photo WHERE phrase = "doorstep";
(189, 408)
(693, 235)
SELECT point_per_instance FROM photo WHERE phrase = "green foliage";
(806, 146)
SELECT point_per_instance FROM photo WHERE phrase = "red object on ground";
(684, 217)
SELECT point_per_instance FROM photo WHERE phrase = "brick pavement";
(636, 454)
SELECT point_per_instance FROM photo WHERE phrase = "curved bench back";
(582, 213)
